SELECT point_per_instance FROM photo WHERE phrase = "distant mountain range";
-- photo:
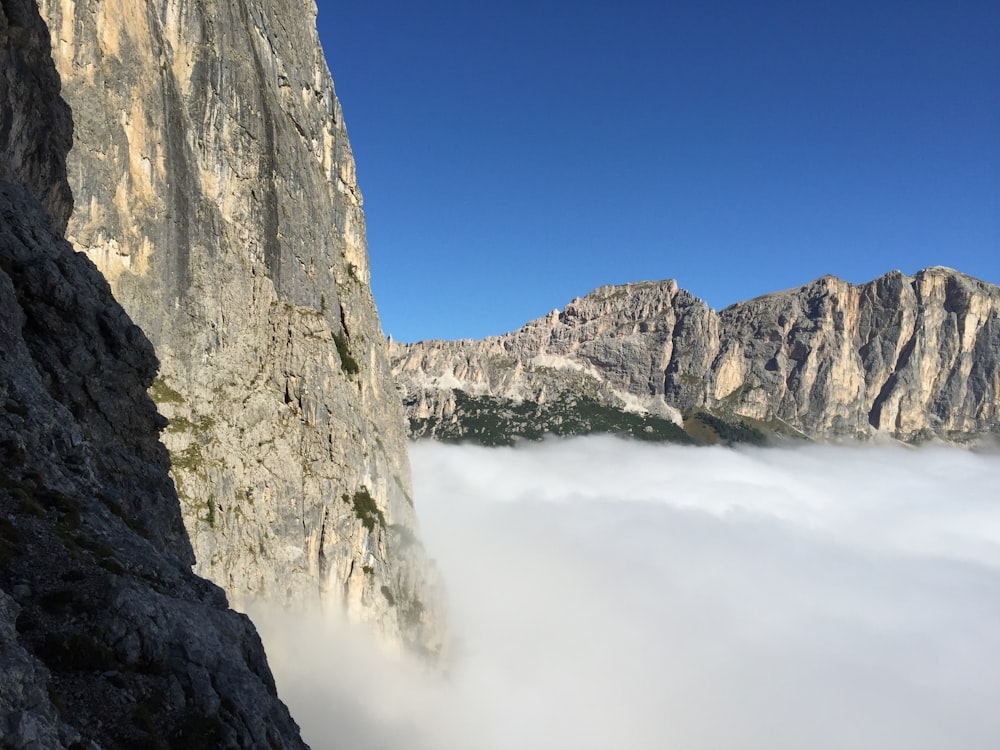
(905, 357)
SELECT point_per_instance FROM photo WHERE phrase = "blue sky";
(515, 155)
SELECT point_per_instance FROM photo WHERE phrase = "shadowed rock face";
(905, 357)
(106, 637)
(216, 191)
(34, 156)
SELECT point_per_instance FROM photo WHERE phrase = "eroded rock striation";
(107, 639)
(215, 189)
(903, 357)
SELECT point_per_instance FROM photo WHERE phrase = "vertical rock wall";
(215, 189)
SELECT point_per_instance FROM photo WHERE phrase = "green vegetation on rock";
(709, 428)
(366, 509)
(347, 361)
(162, 393)
(387, 593)
(493, 421)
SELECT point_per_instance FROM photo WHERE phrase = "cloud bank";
(606, 593)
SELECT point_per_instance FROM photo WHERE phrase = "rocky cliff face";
(106, 637)
(215, 189)
(905, 357)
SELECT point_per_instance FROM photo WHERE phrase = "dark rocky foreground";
(106, 637)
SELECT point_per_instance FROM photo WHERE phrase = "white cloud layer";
(610, 594)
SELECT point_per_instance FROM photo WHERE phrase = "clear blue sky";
(514, 155)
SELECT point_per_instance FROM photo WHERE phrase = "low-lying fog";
(609, 594)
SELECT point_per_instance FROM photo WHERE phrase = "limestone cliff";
(904, 357)
(215, 189)
(106, 637)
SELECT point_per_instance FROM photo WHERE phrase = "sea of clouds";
(613, 594)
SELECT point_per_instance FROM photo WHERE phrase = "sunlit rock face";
(107, 639)
(215, 189)
(903, 357)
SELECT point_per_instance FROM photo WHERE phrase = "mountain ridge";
(908, 357)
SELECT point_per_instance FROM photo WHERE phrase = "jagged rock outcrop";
(215, 189)
(905, 357)
(107, 639)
